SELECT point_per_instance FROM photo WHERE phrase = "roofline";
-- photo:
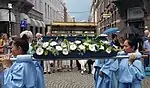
(74, 24)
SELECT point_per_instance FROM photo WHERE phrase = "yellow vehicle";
(73, 28)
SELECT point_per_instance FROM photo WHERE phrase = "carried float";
(73, 47)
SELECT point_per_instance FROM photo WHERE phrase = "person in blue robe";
(23, 72)
(130, 71)
(97, 66)
(103, 76)
(29, 36)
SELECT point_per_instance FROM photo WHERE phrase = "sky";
(79, 8)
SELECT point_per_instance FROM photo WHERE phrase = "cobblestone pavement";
(68, 80)
(75, 80)
(146, 83)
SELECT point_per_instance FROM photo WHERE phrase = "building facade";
(53, 10)
(120, 13)
(31, 15)
(105, 14)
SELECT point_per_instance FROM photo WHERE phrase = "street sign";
(23, 23)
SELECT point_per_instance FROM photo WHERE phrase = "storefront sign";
(23, 23)
(134, 13)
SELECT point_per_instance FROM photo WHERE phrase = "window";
(48, 12)
(35, 4)
(45, 11)
(40, 5)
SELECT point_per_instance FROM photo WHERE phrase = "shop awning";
(43, 24)
(24, 16)
(39, 23)
(33, 22)
(4, 15)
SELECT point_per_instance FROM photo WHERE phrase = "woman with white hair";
(29, 39)
(146, 32)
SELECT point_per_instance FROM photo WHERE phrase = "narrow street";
(74, 79)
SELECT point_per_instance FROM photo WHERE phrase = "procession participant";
(97, 66)
(130, 70)
(29, 36)
(90, 62)
(23, 72)
(83, 63)
(103, 78)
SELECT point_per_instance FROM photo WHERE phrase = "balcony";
(22, 5)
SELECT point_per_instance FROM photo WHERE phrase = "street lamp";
(9, 8)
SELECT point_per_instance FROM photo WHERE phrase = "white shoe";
(82, 72)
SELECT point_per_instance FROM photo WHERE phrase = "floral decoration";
(66, 47)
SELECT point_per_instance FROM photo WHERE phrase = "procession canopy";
(73, 28)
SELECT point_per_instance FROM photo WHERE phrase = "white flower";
(39, 51)
(45, 44)
(108, 50)
(106, 42)
(77, 42)
(63, 45)
(92, 47)
(101, 47)
(73, 47)
(71, 43)
(49, 48)
(86, 44)
(65, 51)
(59, 48)
(81, 47)
(116, 47)
(53, 43)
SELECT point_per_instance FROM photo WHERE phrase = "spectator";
(146, 47)
(115, 41)
(146, 33)
(48, 65)
(5, 44)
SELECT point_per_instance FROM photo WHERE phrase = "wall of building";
(53, 10)
(45, 11)
(106, 15)
(18, 6)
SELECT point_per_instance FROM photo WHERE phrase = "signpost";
(23, 24)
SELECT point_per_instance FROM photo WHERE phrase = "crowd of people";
(125, 72)
(15, 74)
(108, 73)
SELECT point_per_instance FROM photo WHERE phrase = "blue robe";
(106, 80)
(97, 67)
(129, 76)
(39, 69)
(23, 74)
